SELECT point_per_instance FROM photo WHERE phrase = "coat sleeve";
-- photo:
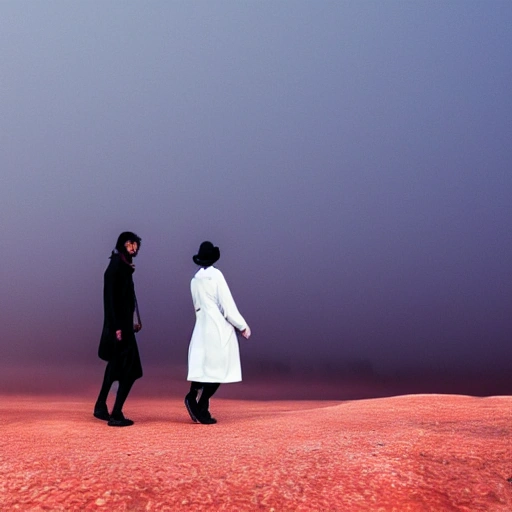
(108, 298)
(136, 312)
(228, 306)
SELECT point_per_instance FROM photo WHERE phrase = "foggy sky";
(351, 159)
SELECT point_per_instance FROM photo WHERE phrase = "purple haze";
(352, 159)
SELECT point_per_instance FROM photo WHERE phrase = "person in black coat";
(118, 345)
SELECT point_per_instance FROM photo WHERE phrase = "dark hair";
(127, 236)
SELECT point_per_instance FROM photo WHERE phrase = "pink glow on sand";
(410, 453)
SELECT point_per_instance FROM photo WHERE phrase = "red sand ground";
(432, 453)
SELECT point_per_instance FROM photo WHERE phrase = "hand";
(137, 327)
(119, 335)
(246, 333)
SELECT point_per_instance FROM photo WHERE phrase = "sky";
(351, 159)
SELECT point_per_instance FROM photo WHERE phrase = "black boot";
(101, 411)
(118, 420)
(205, 417)
(191, 401)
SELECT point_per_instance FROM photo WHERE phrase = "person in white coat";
(213, 355)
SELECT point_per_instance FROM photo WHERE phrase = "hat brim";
(206, 262)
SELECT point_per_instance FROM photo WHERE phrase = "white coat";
(213, 354)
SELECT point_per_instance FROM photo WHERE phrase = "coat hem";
(209, 380)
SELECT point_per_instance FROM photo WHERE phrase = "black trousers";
(125, 385)
(208, 390)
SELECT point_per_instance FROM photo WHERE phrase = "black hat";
(208, 254)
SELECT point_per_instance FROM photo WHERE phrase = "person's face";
(131, 247)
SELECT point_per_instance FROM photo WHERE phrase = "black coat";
(119, 307)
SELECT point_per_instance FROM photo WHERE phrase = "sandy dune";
(408, 453)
